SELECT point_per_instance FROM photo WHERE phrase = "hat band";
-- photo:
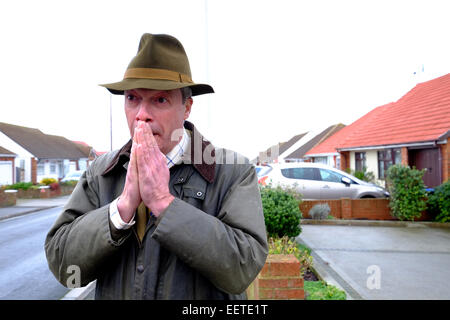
(160, 74)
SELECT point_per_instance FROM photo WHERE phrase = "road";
(24, 273)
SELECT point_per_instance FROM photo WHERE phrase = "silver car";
(318, 181)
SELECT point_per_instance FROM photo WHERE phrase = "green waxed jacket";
(210, 243)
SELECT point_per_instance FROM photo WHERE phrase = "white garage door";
(6, 172)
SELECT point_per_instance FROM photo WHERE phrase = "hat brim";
(129, 84)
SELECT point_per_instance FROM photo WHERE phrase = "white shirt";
(174, 157)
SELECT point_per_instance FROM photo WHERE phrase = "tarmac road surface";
(24, 272)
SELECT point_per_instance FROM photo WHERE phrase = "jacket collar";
(196, 156)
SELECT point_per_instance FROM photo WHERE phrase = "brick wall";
(445, 156)
(345, 160)
(363, 209)
(7, 198)
(279, 279)
(33, 170)
(404, 151)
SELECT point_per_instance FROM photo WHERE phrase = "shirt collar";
(175, 155)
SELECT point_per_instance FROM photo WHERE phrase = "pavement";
(25, 206)
(381, 260)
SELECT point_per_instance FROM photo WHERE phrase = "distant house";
(295, 148)
(299, 150)
(413, 131)
(41, 155)
(7, 159)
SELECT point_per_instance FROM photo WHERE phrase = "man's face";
(163, 110)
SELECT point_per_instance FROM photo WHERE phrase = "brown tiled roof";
(300, 152)
(42, 146)
(6, 151)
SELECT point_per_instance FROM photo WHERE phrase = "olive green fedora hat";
(160, 64)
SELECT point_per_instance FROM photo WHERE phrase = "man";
(166, 216)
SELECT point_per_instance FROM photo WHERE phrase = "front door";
(427, 159)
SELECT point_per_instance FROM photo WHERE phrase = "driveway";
(382, 262)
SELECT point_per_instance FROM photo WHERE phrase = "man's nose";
(144, 113)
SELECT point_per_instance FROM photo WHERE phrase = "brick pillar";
(405, 160)
(345, 160)
(33, 170)
(346, 208)
(280, 278)
(445, 156)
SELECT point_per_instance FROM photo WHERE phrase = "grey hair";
(186, 93)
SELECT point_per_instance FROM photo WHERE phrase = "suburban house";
(295, 148)
(7, 159)
(412, 131)
(40, 155)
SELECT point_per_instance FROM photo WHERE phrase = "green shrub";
(407, 191)
(48, 181)
(439, 202)
(19, 185)
(70, 183)
(285, 245)
(281, 211)
(363, 175)
(320, 290)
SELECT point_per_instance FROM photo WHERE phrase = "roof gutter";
(389, 146)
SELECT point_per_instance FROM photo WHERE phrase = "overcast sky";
(279, 68)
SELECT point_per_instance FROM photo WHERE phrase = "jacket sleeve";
(82, 236)
(229, 249)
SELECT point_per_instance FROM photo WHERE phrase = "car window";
(331, 176)
(299, 173)
(257, 170)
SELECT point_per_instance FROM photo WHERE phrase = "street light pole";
(110, 121)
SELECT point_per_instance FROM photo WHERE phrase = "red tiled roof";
(421, 115)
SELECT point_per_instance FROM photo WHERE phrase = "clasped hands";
(147, 177)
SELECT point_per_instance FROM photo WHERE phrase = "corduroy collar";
(205, 168)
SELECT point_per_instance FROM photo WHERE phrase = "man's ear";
(188, 106)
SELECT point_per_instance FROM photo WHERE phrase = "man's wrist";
(161, 204)
(116, 219)
(124, 209)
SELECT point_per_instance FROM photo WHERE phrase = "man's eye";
(130, 97)
(161, 100)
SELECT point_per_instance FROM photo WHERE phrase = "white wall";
(22, 154)
(371, 163)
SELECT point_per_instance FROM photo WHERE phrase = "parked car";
(262, 170)
(319, 181)
(73, 176)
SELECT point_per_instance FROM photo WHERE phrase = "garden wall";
(7, 198)
(362, 209)
(279, 279)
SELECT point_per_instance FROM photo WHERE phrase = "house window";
(323, 160)
(360, 161)
(52, 167)
(387, 158)
(40, 169)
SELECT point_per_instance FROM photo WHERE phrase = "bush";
(439, 203)
(363, 175)
(48, 181)
(407, 191)
(54, 186)
(70, 183)
(20, 185)
(320, 290)
(281, 211)
(285, 245)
